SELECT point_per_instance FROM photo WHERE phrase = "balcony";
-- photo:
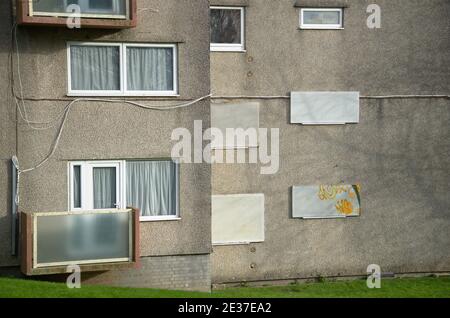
(102, 14)
(96, 240)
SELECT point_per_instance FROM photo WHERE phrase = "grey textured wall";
(97, 130)
(7, 134)
(409, 54)
(399, 152)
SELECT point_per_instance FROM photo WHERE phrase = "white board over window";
(324, 108)
(237, 219)
(326, 201)
(242, 115)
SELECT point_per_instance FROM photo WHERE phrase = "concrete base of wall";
(285, 282)
(186, 272)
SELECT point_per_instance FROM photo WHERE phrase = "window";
(227, 29)
(117, 9)
(321, 18)
(115, 69)
(96, 185)
(150, 185)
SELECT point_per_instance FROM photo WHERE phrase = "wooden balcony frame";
(24, 18)
(27, 250)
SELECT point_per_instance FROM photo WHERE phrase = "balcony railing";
(95, 240)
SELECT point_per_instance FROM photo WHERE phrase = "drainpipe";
(14, 215)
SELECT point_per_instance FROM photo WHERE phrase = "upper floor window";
(119, 69)
(227, 28)
(321, 18)
(117, 9)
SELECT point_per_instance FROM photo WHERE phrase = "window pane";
(104, 187)
(150, 69)
(81, 237)
(95, 67)
(77, 186)
(110, 7)
(225, 26)
(151, 187)
(321, 17)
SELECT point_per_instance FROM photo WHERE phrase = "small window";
(311, 18)
(96, 185)
(152, 186)
(115, 69)
(227, 28)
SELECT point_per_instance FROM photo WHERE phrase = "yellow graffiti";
(344, 207)
(330, 192)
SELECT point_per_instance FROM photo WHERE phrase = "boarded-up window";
(242, 119)
(324, 201)
(237, 218)
(324, 108)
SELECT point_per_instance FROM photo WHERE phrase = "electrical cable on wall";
(63, 115)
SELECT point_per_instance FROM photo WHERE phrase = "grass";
(428, 287)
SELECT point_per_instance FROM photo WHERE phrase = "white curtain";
(104, 187)
(95, 67)
(150, 68)
(77, 186)
(151, 187)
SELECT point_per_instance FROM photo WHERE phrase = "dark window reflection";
(225, 26)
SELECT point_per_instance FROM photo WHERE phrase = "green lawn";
(402, 288)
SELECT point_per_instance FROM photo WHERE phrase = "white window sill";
(120, 95)
(320, 28)
(158, 219)
(225, 49)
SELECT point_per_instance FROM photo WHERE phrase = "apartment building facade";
(364, 182)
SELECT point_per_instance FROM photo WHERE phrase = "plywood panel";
(324, 108)
(241, 115)
(237, 218)
(326, 201)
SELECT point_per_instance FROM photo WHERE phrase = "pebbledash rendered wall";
(102, 131)
(399, 152)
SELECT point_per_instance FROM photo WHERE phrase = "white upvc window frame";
(172, 92)
(177, 190)
(33, 12)
(339, 26)
(86, 181)
(123, 71)
(73, 92)
(230, 47)
(121, 173)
